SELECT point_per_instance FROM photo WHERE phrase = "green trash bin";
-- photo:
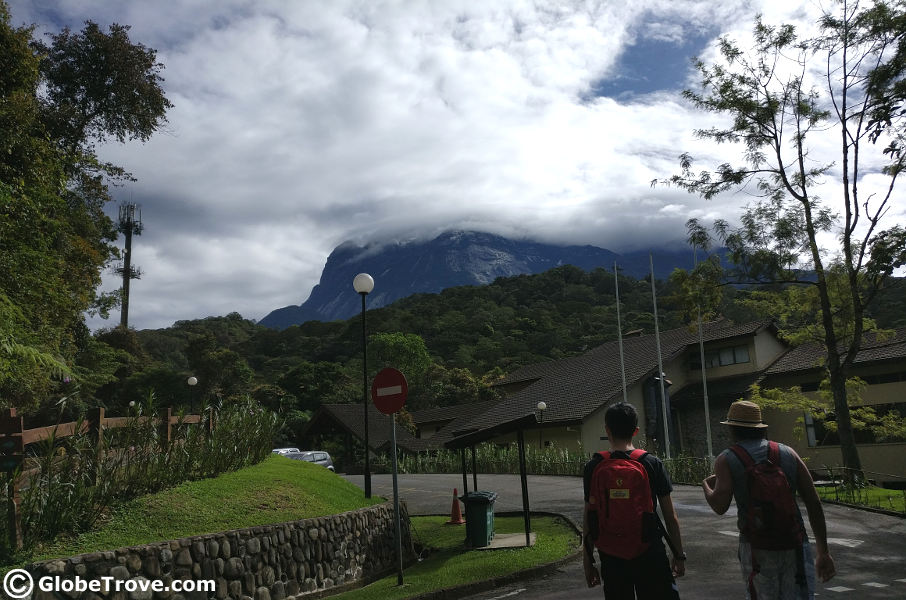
(479, 517)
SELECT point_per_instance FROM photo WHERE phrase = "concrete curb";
(476, 587)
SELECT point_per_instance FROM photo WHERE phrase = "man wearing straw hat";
(769, 573)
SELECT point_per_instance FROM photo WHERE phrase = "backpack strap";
(638, 454)
(774, 453)
(605, 454)
(743, 455)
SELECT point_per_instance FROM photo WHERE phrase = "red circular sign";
(389, 390)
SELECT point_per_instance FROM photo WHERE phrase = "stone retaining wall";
(299, 559)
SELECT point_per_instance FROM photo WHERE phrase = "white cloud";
(299, 125)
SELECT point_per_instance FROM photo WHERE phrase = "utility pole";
(128, 225)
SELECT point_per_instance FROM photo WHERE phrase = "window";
(726, 357)
(723, 357)
(810, 430)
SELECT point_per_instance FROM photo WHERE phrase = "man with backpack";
(764, 476)
(622, 488)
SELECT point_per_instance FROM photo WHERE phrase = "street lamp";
(363, 284)
(539, 416)
(192, 381)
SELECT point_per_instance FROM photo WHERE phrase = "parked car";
(319, 457)
(285, 451)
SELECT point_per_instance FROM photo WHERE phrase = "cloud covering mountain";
(298, 125)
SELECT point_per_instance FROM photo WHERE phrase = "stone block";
(262, 593)
(234, 568)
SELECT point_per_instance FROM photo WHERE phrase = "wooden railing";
(14, 438)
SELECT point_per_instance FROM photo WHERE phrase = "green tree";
(312, 384)
(222, 373)
(404, 351)
(777, 114)
(57, 101)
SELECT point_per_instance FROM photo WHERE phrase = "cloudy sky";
(299, 125)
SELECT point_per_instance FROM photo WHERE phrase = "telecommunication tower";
(129, 225)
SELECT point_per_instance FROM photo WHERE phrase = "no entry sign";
(389, 390)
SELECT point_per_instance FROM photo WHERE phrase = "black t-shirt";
(657, 474)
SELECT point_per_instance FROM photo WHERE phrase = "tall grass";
(72, 482)
(553, 460)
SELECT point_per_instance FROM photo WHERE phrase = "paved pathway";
(869, 548)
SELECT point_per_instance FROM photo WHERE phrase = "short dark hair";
(622, 419)
(747, 433)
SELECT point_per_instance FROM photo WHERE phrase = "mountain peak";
(453, 258)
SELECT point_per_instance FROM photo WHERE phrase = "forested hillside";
(449, 344)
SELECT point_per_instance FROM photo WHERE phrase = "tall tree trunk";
(850, 453)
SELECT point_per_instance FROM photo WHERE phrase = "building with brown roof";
(577, 390)
(881, 364)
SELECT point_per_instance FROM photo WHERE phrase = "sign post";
(388, 392)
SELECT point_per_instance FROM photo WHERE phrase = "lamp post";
(192, 381)
(539, 416)
(363, 283)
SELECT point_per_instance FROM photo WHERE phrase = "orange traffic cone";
(455, 513)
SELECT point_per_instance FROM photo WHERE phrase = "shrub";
(74, 481)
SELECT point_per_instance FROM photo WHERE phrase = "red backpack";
(620, 494)
(772, 517)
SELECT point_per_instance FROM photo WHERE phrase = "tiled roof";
(441, 413)
(350, 417)
(811, 356)
(732, 388)
(466, 413)
(575, 387)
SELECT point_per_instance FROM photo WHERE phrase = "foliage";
(274, 490)
(863, 495)
(449, 563)
(492, 458)
(57, 100)
(552, 460)
(777, 114)
(74, 481)
(886, 427)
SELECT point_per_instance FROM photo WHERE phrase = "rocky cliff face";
(452, 259)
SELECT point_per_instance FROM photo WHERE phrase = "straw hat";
(743, 413)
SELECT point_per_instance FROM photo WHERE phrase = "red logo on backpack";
(772, 517)
(620, 493)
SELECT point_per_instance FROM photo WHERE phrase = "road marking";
(730, 533)
(840, 588)
(875, 584)
(838, 541)
(902, 580)
(513, 593)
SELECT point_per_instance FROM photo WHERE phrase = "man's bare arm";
(824, 564)
(718, 488)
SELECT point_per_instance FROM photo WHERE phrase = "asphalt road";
(869, 549)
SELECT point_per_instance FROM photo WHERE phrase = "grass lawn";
(274, 491)
(279, 490)
(450, 563)
(872, 497)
